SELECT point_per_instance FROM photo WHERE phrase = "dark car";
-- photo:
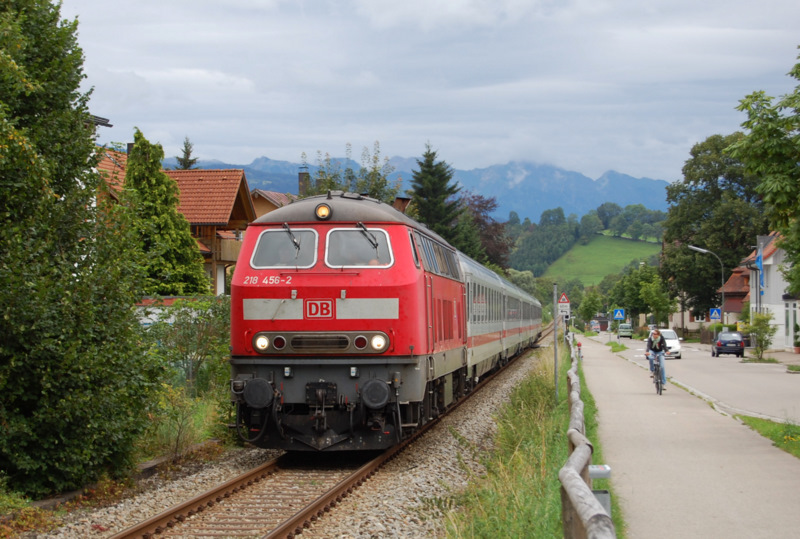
(728, 343)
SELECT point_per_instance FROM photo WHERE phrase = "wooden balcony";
(229, 250)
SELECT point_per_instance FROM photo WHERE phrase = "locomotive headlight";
(323, 212)
(378, 343)
(261, 343)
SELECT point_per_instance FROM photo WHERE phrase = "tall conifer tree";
(434, 196)
(186, 161)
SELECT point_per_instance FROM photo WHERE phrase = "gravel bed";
(406, 499)
(156, 494)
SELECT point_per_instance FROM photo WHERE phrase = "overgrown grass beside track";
(519, 496)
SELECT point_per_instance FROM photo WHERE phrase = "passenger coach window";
(285, 247)
(358, 247)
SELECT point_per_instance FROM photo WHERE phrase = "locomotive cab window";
(285, 248)
(358, 247)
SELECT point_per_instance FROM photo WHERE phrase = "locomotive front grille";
(304, 343)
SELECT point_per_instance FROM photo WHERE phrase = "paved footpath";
(682, 469)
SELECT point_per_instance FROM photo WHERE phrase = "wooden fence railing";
(583, 516)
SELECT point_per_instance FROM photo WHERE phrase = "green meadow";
(601, 256)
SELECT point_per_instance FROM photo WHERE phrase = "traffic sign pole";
(619, 314)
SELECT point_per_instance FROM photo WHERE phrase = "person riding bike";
(657, 346)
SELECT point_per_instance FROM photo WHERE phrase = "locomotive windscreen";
(358, 247)
(281, 248)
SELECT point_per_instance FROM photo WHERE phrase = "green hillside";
(601, 256)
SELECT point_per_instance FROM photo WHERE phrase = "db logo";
(319, 308)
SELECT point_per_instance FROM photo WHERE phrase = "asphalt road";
(757, 389)
(682, 467)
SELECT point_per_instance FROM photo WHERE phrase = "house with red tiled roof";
(216, 203)
(218, 207)
(737, 291)
(267, 201)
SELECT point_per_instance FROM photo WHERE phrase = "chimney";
(401, 204)
(130, 147)
(303, 181)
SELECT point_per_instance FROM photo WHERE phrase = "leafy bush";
(190, 338)
(761, 333)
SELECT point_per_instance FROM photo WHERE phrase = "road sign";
(563, 309)
(716, 314)
(563, 298)
(619, 314)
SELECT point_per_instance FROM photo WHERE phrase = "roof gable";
(276, 198)
(213, 197)
(769, 249)
(206, 197)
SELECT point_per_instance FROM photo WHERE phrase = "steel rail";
(179, 513)
(312, 512)
(305, 517)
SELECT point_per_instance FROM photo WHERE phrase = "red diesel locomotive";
(352, 325)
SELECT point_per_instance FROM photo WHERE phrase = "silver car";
(673, 343)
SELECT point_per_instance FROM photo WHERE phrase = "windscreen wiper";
(294, 240)
(369, 235)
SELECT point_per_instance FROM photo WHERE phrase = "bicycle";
(657, 373)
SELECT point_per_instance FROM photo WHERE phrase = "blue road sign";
(716, 314)
(619, 314)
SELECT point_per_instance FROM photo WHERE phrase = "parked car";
(728, 342)
(625, 330)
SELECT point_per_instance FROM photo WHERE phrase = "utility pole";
(556, 316)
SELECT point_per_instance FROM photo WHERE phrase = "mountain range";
(523, 187)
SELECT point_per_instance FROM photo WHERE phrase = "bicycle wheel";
(657, 378)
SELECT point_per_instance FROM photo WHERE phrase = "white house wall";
(772, 301)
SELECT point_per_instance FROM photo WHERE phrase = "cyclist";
(657, 346)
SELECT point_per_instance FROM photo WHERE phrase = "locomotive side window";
(414, 250)
(357, 247)
(438, 259)
(427, 250)
(285, 248)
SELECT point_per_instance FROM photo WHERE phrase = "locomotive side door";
(430, 318)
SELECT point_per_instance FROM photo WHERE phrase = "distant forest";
(536, 246)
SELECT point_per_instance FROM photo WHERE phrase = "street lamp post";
(721, 288)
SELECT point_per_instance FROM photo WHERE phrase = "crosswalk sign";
(716, 314)
(619, 314)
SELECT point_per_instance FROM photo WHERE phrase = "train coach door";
(503, 323)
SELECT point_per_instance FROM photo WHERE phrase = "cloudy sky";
(586, 85)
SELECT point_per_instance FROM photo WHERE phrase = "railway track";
(277, 499)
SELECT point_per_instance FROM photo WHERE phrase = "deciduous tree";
(770, 151)
(371, 179)
(493, 238)
(716, 207)
(75, 383)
